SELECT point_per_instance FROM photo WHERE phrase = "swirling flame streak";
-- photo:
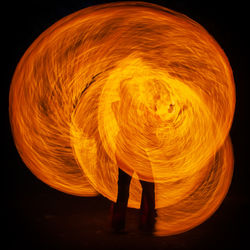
(131, 82)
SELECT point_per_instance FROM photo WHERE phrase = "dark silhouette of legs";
(147, 208)
(120, 207)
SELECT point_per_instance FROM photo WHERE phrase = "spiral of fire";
(130, 84)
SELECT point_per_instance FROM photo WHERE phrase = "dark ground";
(43, 218)
(36, 216)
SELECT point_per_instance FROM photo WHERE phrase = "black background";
(39, 217)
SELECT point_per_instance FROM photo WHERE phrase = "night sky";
(39, 217)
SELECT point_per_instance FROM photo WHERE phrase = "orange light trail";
(130, 84)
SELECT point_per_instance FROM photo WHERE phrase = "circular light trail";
(130, 84)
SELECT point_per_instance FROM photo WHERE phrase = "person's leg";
(120, 207)
(148, 212)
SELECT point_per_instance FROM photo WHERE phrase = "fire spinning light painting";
(139, 81)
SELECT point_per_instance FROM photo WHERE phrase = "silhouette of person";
(147, 207)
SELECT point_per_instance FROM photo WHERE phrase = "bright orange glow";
(133, 83)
